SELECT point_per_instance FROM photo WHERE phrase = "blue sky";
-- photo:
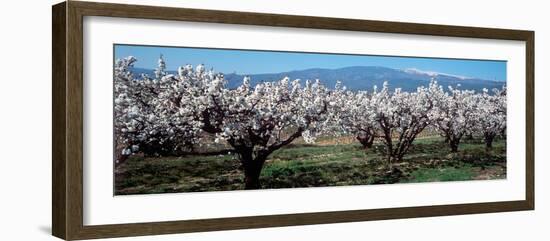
(257, 62)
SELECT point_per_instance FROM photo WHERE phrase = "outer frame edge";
(72, 69)
(59, 181)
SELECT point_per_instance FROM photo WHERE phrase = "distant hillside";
(363, 78)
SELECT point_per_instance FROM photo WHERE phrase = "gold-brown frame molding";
(67, 119)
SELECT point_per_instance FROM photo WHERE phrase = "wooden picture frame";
(67, 100)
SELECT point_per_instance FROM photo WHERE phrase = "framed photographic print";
(171, 120)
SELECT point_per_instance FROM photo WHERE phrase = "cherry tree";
(455, 114)
(401, 116)
(351, 114)
(491, 113)
(182, 108)
(258, 121)
(129, 113)
(145, 119)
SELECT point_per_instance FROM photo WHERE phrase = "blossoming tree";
(351, 113)
(254, 121)
(491, 112)
(401, 116)
(258, 121)
(455, 114)
(145, 118)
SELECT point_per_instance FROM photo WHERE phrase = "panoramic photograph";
(190, 119)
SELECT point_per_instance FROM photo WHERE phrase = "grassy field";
(300, 165)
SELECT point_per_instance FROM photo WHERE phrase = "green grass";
(301, 165)
(442, 174)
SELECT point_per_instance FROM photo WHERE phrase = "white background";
(100, 207)
(25, 94)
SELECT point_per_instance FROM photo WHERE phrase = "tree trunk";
(454, 148)
(252, 171)
(389, 145)
(398, 157)
(454, 145)
(252, 168)
(366, 139)
(489, 137)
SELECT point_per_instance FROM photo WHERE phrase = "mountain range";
(362, 78)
